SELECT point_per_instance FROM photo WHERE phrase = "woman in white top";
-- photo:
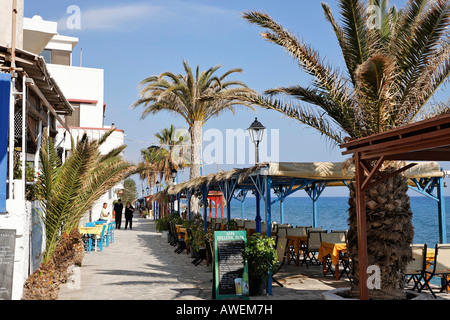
(104, 215)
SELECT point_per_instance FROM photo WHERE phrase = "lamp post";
(173, 174)
(256, 131)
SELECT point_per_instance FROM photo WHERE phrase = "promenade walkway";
(141, 265)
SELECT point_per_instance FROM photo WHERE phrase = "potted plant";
(162, 225)
(261, 259)
(196, 238)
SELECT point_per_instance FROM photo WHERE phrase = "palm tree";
(68, 190)
(392, 72)
(173, 143)
(151, 159)
(196, 98)
(164, 158)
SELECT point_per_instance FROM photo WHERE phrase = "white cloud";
(110, 18)
(125, 16)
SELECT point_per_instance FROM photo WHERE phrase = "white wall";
(18, 218)
(82, 84)
(6, 23)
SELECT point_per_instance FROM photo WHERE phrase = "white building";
(84, 89)
(55, 96)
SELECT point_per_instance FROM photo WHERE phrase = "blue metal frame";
(188, 197)
(240, 195)
(205, 192)
(314, 191)
(426, 187)
(227, 188)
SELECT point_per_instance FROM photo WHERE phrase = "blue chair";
(87, 243)
(112, 227)
(107, 237)
(99, 239)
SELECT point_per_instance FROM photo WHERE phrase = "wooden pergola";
(427, 140)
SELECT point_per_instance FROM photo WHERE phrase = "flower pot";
(164, 234)
(339, 294)
(258, 288)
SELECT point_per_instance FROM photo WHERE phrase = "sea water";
(332, 214)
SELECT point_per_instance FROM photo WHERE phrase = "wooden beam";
(435, 155)
(373, 172)
(34, 111)
(400, 142)
(385, 177)
(418, 145)
(361, 228)
(411, 129)
(38, 92)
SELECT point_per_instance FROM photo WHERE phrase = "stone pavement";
(141, 265)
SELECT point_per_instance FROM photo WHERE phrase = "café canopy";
(285, 178)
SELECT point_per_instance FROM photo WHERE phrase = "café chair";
(98, 239)
(415, 269)
(342, 234)
(312, 247)
(87, 242)
(439, 267)
(112, 227)
(177, 240)
(173, 237)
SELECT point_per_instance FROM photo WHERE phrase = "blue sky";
(131, 40)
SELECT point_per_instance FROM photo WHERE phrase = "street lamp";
(148, 190)
(173, 174)
(157, 186)
(256, 131)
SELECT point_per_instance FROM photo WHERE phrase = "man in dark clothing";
(118, 208)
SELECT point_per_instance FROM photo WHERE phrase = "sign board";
(230, 269)
(7, 247)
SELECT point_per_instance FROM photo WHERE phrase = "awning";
(34, 66)
(334, 173)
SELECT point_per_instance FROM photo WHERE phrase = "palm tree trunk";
(196, 157)
(389, 235)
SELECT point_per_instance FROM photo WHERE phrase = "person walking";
(128, 214)
(118, 208)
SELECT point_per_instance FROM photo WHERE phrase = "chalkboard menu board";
(7, 247)
(230, 269)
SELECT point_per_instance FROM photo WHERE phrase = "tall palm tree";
(393, 69)
(195, 97)
(68, 190)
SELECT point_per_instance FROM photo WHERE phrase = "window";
(61, 57)
(56, 56)
(47, 55)
(74, 119)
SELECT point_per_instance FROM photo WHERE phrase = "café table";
(297, 242)
(97, 230)
(91, 231)
(333, 249)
